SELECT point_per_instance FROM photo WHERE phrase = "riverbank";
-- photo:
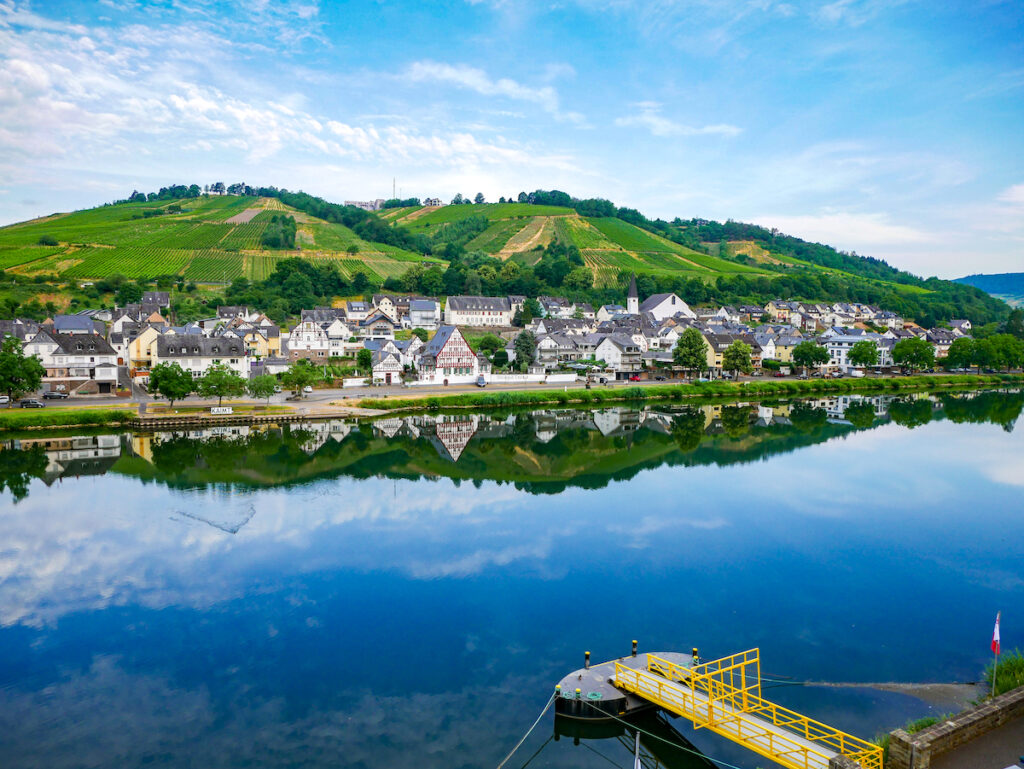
(691, 390)
(57, 418)
(127, 416)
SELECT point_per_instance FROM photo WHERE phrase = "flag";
(995, 635)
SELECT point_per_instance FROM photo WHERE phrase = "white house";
(425, 314)
(308, 340)
(620, 353)
(447, 359)
(197, 353)
(839, 346)
(478, 311)
(80, 363)
(662, 306)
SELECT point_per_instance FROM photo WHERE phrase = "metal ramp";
(724, 696)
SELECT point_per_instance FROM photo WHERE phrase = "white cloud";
(649, 116)
(848, 230)
(1013, 195)
(473, 79)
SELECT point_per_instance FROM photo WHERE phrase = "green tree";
(128, 293)
(299, 375)
(19, 466)
(691, 351)
(171, 381)
(808, 353)
(479, 198)
(736, 358)
(19, 373)
(364, 360)
(490, 344)
(219, 382)
(353, 249)
(360, 283)
(913, 353)
(863, 353)
(525, 347)
(1015, 323)
(500, 359)
(422, 333)
(961, 353)
(580, 279)
(736, 420)
(262, 386)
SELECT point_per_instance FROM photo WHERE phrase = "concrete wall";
(917, 751)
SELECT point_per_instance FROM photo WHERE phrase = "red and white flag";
(995, 635)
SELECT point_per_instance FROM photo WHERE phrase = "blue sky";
(894, 129)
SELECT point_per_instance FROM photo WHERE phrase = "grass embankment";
(911, 727)
(694, 390)
(1010, 673)
(18, 419)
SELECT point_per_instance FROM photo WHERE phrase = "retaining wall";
(917, 751)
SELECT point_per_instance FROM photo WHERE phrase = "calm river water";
(407, 592)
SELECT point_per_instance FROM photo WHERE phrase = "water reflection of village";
(450, 434)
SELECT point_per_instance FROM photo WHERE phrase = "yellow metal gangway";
(724, 696)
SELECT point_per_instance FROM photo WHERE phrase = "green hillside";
(521, 231)
(1008, 286)
(209, 239)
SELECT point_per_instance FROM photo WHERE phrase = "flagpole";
(995, 672)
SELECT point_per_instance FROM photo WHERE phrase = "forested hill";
(234, 239)
(1005, 285)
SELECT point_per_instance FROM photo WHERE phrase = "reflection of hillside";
(541, 452)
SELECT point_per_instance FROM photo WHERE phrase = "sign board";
(220, 410)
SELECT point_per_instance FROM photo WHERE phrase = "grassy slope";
(608, 245)
(198, 243)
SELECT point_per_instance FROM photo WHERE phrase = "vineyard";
(12, 257)
(214, 266)
(130, 262)
(629, 237)
(244, 236)
(583, 235)
(494, 238)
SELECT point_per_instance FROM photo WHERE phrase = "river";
(406, 592)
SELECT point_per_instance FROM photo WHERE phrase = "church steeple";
(633, 298)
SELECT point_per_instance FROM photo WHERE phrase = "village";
(412, 341)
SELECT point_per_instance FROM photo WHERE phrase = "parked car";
(5, 399)
(778, 374)
(604, 380)
(659, 378)
(481, 381)
(802, 376)
(307, 389)
(277, 388)
(634, 378)
(32, 403)
(54, 395)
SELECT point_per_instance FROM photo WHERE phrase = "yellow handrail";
(724, 695)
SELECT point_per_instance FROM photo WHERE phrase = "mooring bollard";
(696, 657)
(634, 648)
(586, 660)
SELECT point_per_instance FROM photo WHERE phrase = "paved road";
(321, 397)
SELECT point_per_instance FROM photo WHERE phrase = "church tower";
(632, 298)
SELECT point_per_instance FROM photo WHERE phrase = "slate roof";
(486, 303)
(63, 324)
(199, 346)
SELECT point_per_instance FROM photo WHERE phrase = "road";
(327, 395)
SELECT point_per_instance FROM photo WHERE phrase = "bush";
(48, 240)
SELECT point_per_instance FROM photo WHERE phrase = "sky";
(891, 128)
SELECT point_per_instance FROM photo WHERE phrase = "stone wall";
(916, 751)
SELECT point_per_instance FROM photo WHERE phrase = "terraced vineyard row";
(214, 266)
(130, 262)
(582, 234)
(247, 235)
(495, 237)
(11, 257)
